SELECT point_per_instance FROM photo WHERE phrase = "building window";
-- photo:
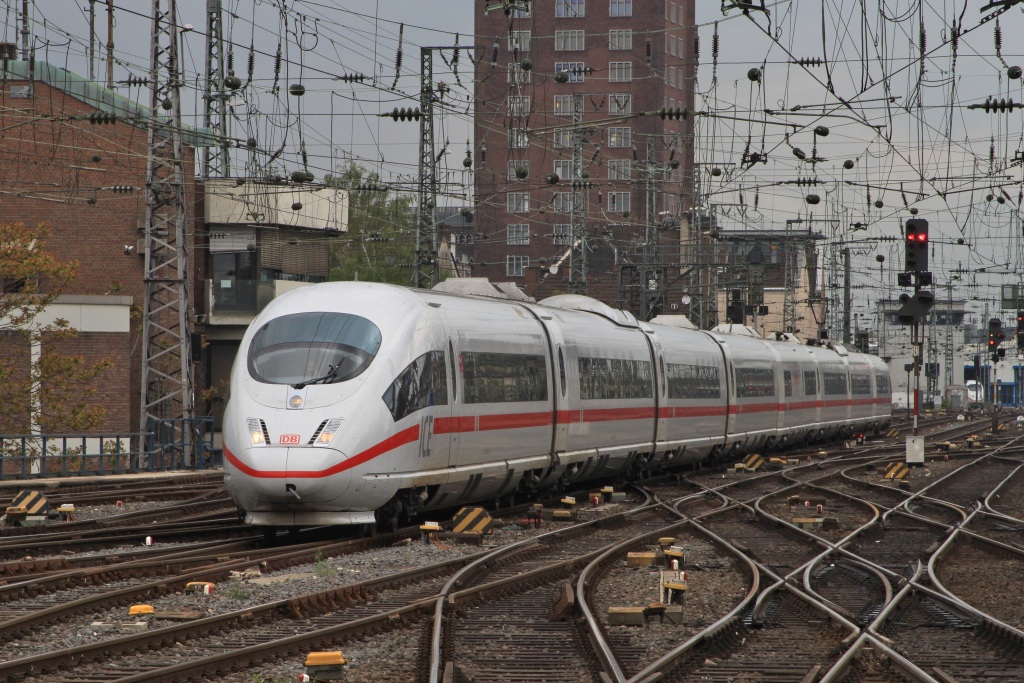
(463, 238)
(620, 72)
(562, 234)
(618, 201)
(518, 202)
(515, 266)
(518, 138)
(619, 169)
(516, 164)
(621, 8)
(563, 168)
(569, 41)
(563, 105)
(672, 13)
(563, 202)
(519, 40)
(620, 136)
(517, 233)
(620, 39)
(570, 9)
(519, 105)
(516, 73)
(620, 103)
(561, 139)
(574, 69)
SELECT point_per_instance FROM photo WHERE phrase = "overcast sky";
(910, 147)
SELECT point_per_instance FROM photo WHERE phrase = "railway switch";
(326, 666)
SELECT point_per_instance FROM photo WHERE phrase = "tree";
(42, 389)
(381, 242)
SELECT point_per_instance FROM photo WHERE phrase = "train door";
(454, 402)
(660, 387)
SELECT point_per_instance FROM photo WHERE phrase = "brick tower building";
(584, 161)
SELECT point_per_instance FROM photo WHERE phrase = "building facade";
(74, 155)
(584, 154)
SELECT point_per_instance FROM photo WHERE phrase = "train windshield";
(313, 348)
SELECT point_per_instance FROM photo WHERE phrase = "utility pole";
(167, 387)
(110, 44)
(847, 298)
(216, 158)
(26, 52)
(92, 41)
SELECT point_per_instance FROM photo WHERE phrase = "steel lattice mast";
(216, 158)
(426, 234)
(166, 353)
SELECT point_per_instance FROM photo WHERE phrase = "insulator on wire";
(674, 114)
(494, 55)
(696, 46)
(352, 78)
(714, 43)
(252, 63)
(101, 118)
(647, 47)
(398, 55)
(923, 40)
(231, 61)
(120, 189)
(404, 114)
(994, 106)
(807, 61)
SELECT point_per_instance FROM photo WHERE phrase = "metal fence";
(169, 445)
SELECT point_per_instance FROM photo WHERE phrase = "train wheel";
(388, 516)
(367, 530)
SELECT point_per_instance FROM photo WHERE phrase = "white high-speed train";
(362, 403)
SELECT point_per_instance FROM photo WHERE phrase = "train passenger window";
(755, 382)
(307, 348)
(451, 354)
(787, 380)
(504, 377)
(882, 384)
(616, 378)
(810, 382)
(693, 381)
(835, 380)
(860, 384)
(561, 370)
(420, 385)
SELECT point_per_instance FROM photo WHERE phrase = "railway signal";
(915, 307)
(915, 243)
(1020, 329)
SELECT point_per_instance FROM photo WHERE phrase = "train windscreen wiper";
(319, 380)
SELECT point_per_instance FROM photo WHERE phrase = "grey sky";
(870, 60)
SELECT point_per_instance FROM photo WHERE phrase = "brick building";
(84, 176)
(575, 89)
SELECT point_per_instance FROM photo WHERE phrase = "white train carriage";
(356, 402)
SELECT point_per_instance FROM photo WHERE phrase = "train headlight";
(295, 401)
(256, 435)
(326, 434)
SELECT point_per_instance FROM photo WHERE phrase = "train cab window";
(561, 370)
(810, 382)
(313, 348)
(420, 385)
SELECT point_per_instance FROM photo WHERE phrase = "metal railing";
(169, 445)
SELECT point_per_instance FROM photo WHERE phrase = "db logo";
(289, 439)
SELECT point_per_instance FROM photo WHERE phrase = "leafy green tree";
(50, 391)
(381, 240)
